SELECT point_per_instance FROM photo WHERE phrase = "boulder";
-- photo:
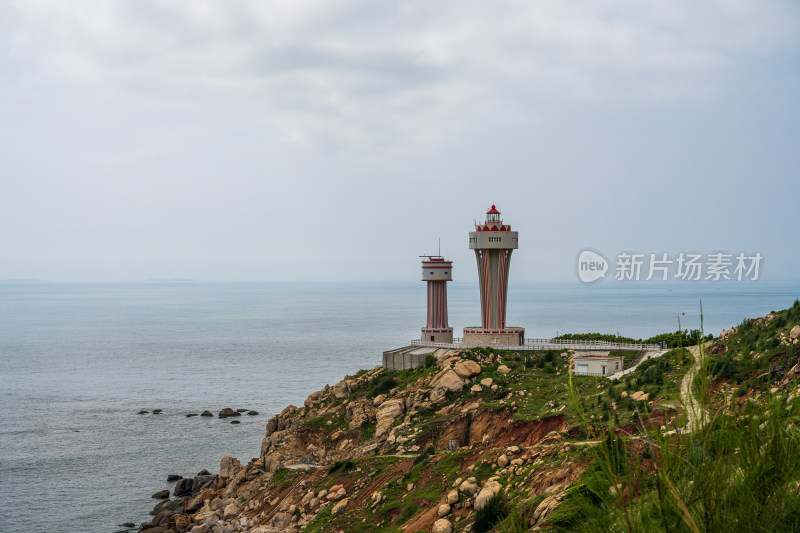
(640, 396)
(183, 487)
(624, 394)
(160, 495)
(468, 487)
(182, 521)
(443, 510)
(475, 389)
(313, 398)
(490, 488)
(487, 382)
(452, 497)
(795, 332)
(442, 526)
(502, 461)
(340, 507)
(206, 413)
(340, 390)
(225, 413)
(198, 501)
(390, 409)
(252, 413)
(229, 467)
(503, 369)
(202, 482)
(546, 507)
(231, 510)
(449, 380)
(467, 369)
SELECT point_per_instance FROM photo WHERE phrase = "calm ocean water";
(78, 361)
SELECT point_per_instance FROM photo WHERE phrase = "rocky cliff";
(475, 438)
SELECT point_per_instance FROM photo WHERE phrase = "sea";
(78, 361)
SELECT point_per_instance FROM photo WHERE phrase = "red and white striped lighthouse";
(437, 272)
(493, 242)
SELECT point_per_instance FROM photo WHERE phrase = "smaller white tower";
(437, 272)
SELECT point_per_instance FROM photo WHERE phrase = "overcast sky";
(338, 140)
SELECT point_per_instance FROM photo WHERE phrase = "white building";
(597, 364)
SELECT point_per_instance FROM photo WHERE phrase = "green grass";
(739, 472)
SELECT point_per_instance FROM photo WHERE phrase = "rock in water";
(225, 413)
(173, 477)
(206, 413)
(183, 488)
(160, 495)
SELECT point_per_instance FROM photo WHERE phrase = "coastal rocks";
(490, 488)
(226, 412)
(183, 487)
(467, 369)
(340, 389)
(503, 369)
(386, 415)
(182, 521)
(229, 467)
(196, 503)
(449, 380)
(313, 398)
(201, 482)
(160, 495)
(442, 525)
(230, 511)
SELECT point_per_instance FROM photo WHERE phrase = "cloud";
(367, 73)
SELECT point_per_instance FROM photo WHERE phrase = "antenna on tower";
(440, 246)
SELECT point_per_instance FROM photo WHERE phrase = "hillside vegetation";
(481, 440)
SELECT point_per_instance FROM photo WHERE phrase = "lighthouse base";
(507, 336)
(437, 335)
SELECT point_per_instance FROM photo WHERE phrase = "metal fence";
(548, 344)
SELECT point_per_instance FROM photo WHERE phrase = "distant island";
(168, 280)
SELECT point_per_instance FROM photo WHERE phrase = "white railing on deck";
(549, 344)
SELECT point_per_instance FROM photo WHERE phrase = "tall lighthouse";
(437, 272)
(493, 243)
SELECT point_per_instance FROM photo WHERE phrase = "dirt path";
(695, 416)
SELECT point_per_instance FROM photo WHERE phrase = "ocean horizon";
(78, 361)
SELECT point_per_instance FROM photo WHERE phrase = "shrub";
(341, 466)
(430, 360)
(382, 386)
(495, 510)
